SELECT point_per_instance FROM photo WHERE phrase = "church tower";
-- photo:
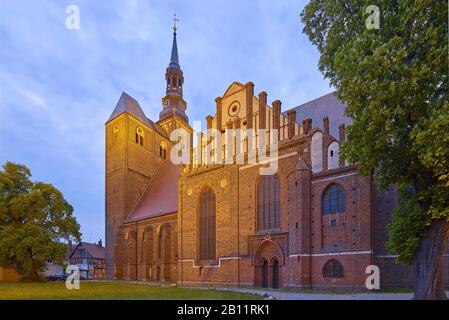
(135, 150)
(173, 114)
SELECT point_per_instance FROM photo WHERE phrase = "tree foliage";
(394, 81)
(34, 219)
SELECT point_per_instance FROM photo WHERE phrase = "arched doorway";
(275, 274)
(264, 275)
(267, 260)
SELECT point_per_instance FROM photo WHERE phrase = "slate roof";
(161, 197)
(174, 59)
(71, 248)
(327, 105)
(128, 104)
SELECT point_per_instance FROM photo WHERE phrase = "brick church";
(315, 223)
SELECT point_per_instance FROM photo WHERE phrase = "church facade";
(315, 223)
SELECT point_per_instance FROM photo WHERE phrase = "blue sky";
(59, 86)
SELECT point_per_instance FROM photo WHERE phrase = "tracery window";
(268, 202)
(207, 223)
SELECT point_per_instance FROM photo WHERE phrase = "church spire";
(174, 59)
(173, 102)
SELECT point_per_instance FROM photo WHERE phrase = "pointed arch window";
(140, 136)
(269, 202)
(163, 150)
(333, 270)
(207, 223)
(333, 200)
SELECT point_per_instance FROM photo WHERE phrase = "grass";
(112, 291)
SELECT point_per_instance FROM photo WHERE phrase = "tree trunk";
(428, 264)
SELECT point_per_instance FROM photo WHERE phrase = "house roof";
(128, 104)
(327, 105)
(71, 248)
(93, 249)
(161, 197)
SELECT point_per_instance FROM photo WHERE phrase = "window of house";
(207, 216)
(268, 202)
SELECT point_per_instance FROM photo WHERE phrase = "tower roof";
(128, 104)
(174, 59)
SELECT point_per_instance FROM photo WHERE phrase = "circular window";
(233, 109)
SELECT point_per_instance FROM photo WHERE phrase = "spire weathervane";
(174, 22)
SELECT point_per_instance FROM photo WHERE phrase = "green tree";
(394, 81)
(34, 219)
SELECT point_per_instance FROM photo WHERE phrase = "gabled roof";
(161, 196)
(93, 249)
(327, 105)
(128, 104)
(301, 164)
(70, 249)
(233, 87)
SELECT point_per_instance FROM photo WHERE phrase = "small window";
(333, 223)
(332, 153)
(163, 151)
(139, 136)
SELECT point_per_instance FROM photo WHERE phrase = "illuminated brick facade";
(153, 219)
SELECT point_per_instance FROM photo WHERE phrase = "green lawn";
(112, 291)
